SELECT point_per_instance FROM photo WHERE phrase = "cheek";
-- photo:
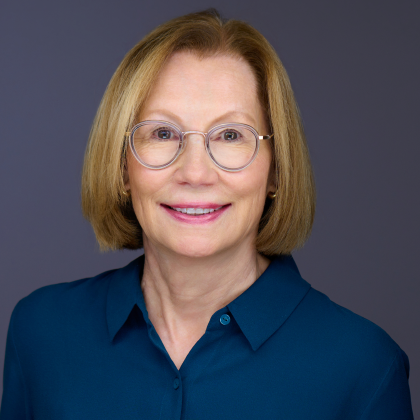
(251, 185)
(143, 182)
(143, 186)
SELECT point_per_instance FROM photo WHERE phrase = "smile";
(195, 211)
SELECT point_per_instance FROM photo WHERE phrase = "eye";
(230, 135)
(164, 134)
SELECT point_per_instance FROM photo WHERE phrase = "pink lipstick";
(195, 213)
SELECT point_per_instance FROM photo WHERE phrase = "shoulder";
(345, 323)
(350, 338)
(55, 306)
(328, 325)
(57, 295)
(365, 363)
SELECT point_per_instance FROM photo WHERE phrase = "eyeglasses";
(157, 144)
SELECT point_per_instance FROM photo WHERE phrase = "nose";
(194, 166)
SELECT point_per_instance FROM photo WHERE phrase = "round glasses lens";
(157, 143)
(233, 146)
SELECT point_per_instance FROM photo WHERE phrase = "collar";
(265, 306)
(124, 292)
(259, 311)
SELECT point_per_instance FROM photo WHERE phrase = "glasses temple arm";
(266, 137)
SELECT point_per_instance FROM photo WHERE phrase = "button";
(176, 383)
(225, 319)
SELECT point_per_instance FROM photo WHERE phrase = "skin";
(193, 270)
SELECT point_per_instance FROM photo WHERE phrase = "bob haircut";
(287, 219)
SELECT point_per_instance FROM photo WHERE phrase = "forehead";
(197, 89)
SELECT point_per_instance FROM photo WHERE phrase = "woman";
(197, 154)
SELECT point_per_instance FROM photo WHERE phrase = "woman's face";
(197, 94)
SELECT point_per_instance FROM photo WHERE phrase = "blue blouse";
(281, 350)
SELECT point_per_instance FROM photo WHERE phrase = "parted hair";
(287, 219)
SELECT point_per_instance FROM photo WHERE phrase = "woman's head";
(200, 96)
(287, 219)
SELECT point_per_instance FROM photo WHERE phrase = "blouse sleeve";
(392, 400)
(14, 401)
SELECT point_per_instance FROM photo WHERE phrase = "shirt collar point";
(123, 294)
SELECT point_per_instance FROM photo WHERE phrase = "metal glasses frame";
(182, 143)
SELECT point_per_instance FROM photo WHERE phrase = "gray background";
(355, 70)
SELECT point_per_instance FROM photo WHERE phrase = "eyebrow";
(230, 116)
(235, 114)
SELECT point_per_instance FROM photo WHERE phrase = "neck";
(182, 293)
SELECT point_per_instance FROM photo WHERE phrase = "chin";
(196, 249)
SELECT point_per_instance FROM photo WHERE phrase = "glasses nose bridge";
(185, 133)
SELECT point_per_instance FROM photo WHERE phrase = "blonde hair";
(287, 219)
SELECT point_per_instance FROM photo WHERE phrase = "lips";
(195, 212)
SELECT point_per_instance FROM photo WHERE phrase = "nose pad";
(184, 144)
(185, 139)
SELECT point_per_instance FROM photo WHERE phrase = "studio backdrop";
(354, 67)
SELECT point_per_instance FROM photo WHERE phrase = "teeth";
(197, 211)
